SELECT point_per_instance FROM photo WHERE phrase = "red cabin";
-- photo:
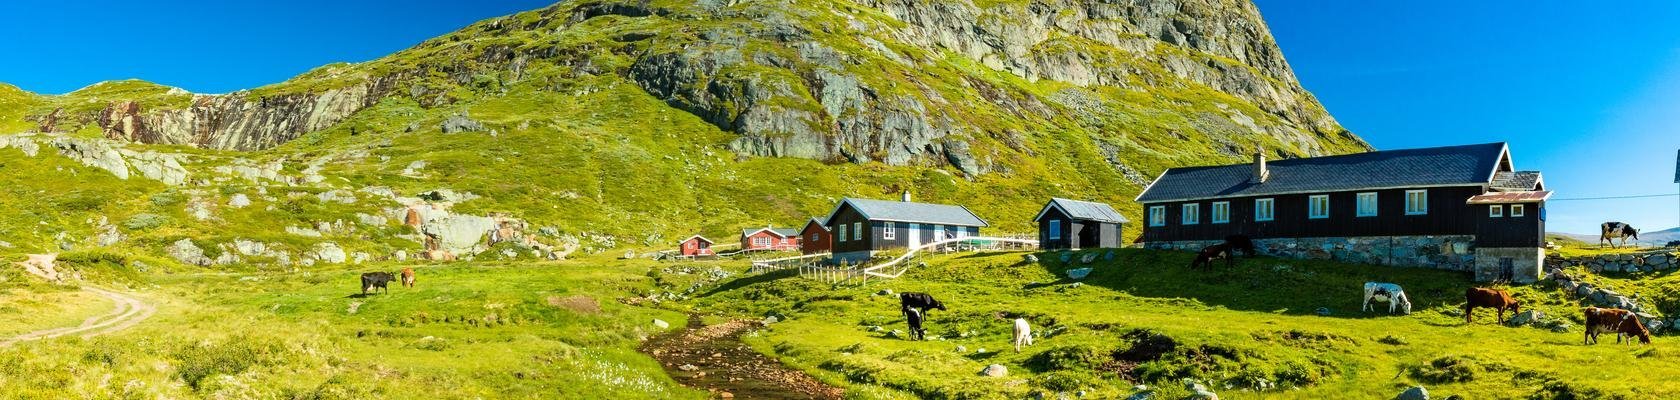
(696, 246)
(815, 238)
(768, 238)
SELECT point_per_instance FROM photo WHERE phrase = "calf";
(372, 280)
(1622, 322)
(1205, 257)
(1386, 292)
(914, 317)
(1491, 298)
(1023, 334)
(408, 277)
(923, 301)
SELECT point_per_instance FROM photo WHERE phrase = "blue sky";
(1587, 93)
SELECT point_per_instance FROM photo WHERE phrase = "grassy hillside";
(1250, 331)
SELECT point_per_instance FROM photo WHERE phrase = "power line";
(1643, 196)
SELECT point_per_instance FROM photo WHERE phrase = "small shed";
(696, 246)
(1074, 224)
(815, 238)
(768, 238)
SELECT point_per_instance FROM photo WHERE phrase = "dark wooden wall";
(1448, 215)
(1077, 233)
(1528, 230)
(872, 237)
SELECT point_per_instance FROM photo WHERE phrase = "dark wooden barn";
(1074, 224)
(1439, 201)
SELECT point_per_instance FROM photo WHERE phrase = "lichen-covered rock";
(460, 123)
(188, 253)
(329, 252)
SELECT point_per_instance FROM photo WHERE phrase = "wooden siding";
(1448, 215)
(1528, 230)
(873, 238)
(696, 247)
(815, 239)
(1080, 234)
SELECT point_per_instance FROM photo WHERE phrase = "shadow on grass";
(1260, 284)
(752, 280)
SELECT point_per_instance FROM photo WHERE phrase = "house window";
(887, 231)
(1318, 206)
(1158, 216)
(842, 236)
(1221, 212)
(814, 238)
(962, 232)
(1367, 205)
(1417, 202)
(857, 231)
(1263, 210)
(1517, 210)
(761, 241)
(1055, 229)
(938, 233)
(1192, 214)
(1496, 211)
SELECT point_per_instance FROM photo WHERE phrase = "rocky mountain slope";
(631, 123)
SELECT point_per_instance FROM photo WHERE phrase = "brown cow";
(1490, 298)
(408, 277)
(1205, 257)
(1623, 322)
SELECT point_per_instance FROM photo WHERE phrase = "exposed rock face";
(458, 234)
(241, 120)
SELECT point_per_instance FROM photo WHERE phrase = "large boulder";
(995, 371)
(459, 234)
(330, 253)
(1414, 393)
(460, 123)
(188, 253)
(1527, 317)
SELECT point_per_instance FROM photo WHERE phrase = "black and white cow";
(1616, 230)
(1388, 293)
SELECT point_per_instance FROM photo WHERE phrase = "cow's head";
(939, 305)
(1634, 234)
(1516, 306)
(1405, 304)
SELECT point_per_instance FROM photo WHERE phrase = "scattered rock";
(661, 324)
(771, 320)
(1087, 258)
(962, 349)
(239, 201)
(1078, 273)
(688, 367)
(1415, 393)
(995, 371)
(1030, 258)
(885, 292)
(330, 253)
(1526, 317)
(460, 123)
(1066, 257)
(1322, 311)
(188, 253)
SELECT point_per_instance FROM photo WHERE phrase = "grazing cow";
(923, 301)
(1386, 292)
(1490, 298)
(1240, 242)
(372, 280)
(1616, 230)
(914, 317)
(1023, 334)
(1622, 322)
(408, 277)
(1205, 257)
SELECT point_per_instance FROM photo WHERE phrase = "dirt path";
(713, 358)
(129, 311)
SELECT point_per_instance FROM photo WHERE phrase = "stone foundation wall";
(1525, 264)
(1450, 252)
(1652, 261)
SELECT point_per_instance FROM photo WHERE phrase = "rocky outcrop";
(241, 120)
(188, 253)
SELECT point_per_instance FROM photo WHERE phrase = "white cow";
(1023, 334)
(1386, 292)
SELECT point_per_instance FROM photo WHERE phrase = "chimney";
(1260, 171)
(906, 198)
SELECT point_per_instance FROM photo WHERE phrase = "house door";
(913, 235)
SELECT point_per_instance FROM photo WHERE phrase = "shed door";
(913, 235)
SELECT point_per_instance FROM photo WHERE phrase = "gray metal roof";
(906, 211)
(1515, 181)
(1085, 210)
(1427, 167)
(783, 232)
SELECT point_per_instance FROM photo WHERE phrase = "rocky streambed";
(713, 358)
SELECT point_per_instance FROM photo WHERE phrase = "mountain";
(602, 125)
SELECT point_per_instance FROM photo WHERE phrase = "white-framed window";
(1158, 216)
(814, 238)
(1518, 210)
(1263, 210)
(1318, 206)
(1367, 205)
(1055, 229)
(939, 232)
(1221, 212)
(857, 231)
(1192, 214)
(962, 232)
(1496, 211)
(1417, 202)
(887, 231)
(761, 241)
(842, 236)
